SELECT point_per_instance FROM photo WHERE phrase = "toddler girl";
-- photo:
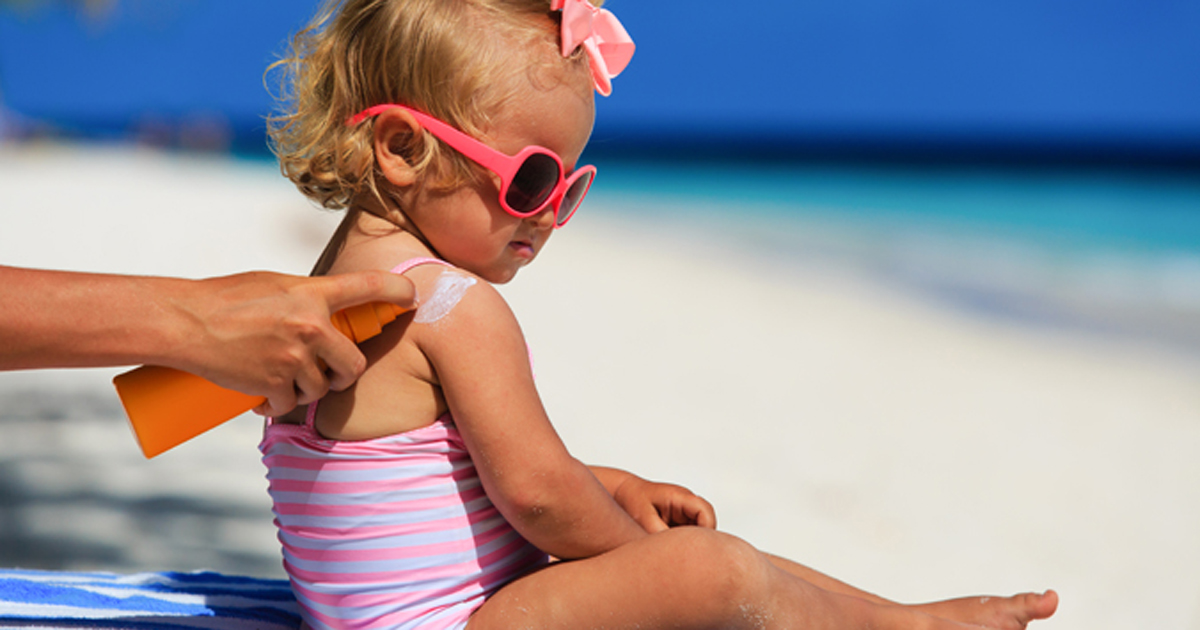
(435, 493)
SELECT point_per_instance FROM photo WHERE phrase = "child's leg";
(684, 578)
(1002, 613)
(820, 580)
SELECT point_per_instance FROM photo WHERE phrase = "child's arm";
(656, 506)
(482, 365)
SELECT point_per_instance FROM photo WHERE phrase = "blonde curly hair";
(448, 58)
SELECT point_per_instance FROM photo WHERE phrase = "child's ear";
(395, 138)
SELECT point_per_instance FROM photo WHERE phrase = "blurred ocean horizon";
(1113, 251)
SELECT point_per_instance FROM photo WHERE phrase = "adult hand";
(270, 335)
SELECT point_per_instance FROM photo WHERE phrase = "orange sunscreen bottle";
(167, 407)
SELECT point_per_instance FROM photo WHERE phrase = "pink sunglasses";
(531, 180)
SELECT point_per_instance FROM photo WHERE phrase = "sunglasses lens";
(574, 196)
(533, 183)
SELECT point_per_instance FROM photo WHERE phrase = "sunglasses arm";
(491, 159)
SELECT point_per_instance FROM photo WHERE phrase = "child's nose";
(544, 220)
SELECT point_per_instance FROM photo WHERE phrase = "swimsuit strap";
(311, 416)
(413, 262)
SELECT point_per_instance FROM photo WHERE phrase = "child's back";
(395, 529)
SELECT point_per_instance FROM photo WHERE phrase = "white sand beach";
(910, 449)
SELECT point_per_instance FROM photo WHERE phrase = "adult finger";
(311, 383)
(344, 362)
(278, 402)
(351, 289)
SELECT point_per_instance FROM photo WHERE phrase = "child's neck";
(374, 242)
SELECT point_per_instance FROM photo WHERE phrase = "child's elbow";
(542, 500)
(528, 516)
(530, 502)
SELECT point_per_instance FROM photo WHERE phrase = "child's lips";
(522, 248)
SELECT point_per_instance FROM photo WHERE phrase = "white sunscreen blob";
(449, 289)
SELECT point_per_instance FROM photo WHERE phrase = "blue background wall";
(1024, 76)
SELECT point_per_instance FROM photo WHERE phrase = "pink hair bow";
(608, 46)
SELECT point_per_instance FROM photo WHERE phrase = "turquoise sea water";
(1113, 251)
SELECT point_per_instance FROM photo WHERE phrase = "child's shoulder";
(448, 294)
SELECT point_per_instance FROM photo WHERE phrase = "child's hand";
(660, 506)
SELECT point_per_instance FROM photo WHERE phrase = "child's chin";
(503, 278)
(500, 274)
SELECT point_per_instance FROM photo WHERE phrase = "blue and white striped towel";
(53, 600)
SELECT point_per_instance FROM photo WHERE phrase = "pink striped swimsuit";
(394, 532)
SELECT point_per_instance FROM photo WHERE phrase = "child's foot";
(1000, 613)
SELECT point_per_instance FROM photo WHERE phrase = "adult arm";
(260, 333)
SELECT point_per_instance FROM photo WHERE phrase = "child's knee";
(719, 576)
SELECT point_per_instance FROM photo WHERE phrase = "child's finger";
(651, 520)
(696, 511)
(706, 517)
